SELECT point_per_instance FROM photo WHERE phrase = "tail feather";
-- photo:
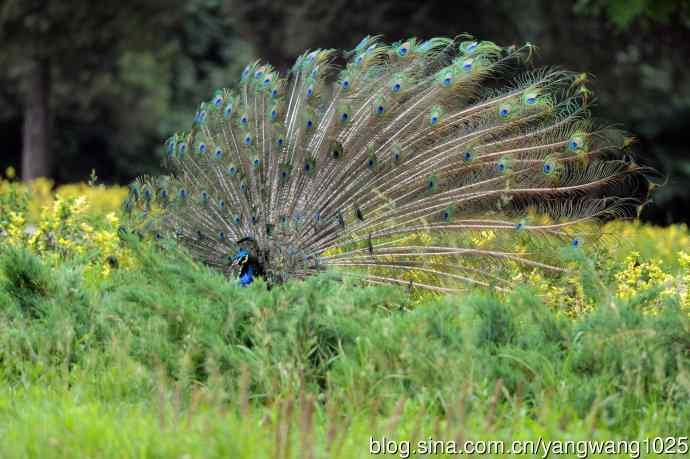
(423, 163)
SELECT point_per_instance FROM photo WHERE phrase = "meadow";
(115, 346)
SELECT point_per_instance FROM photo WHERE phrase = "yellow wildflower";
(15, 230)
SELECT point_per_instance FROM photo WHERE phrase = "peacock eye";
(513, 128)
(468, 46)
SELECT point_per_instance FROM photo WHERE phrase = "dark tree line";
(100, 84)
(97, 84)
(68, 43)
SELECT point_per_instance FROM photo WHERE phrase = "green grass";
(172, 360)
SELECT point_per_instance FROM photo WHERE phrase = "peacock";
(431, 164)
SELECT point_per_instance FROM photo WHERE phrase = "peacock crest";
(430, 164)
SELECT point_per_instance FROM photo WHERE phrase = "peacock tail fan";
(434, 164)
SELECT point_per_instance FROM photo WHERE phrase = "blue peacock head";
(246, 270)
(240, 258)
(246, 260)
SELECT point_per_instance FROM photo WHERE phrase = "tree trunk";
(36, 156)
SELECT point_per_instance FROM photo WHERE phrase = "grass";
(172, 360)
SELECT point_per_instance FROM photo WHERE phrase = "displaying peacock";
(432, 164)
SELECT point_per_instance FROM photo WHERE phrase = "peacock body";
(431, 164)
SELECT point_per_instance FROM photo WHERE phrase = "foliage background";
(123, 77)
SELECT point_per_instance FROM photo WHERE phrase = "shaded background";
(99, 85)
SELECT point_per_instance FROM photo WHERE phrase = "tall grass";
(173, 360)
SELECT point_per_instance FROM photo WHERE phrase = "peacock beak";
(240, 261)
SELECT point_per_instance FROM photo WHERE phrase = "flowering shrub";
(564, 294)
(639, 277)
(101, 200)
(642, 259)
(67, 227)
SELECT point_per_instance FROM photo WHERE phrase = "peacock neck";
(247, 274)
